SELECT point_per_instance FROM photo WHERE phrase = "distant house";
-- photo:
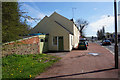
(63, 33)
(111, 36)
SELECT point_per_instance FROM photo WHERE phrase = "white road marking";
(108, 50)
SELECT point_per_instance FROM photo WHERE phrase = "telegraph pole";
(116, 37)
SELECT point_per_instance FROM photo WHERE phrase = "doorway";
(60, 43)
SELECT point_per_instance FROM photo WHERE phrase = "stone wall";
(24, 46)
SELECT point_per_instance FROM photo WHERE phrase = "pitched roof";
(71, 20)
(61, 16)
(63, 27)
(58, 22)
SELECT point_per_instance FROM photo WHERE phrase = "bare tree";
(81, 24)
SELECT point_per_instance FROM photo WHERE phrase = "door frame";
(62, 43)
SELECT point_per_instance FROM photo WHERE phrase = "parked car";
(106, 42)
(83, 39)
(86, 42)
(82, 45)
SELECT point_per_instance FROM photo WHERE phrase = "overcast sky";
(98, 14)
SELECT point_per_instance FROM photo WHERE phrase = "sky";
(98, 14)
(119, 17)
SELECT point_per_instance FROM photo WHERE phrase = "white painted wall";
(70, 42)
(76, 36)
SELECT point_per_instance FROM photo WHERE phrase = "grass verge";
(26, 66)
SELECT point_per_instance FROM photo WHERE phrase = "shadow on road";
(76, 74)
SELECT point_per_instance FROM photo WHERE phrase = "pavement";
(80, 64)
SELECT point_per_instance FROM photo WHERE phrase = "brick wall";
(24, 46)
(29, 40)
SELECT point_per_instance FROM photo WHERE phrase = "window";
(41, 40)
(55, 40)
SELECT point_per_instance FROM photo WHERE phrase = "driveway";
(80, 64)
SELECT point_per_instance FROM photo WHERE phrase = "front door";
(60, 43)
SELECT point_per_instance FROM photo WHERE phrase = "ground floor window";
(55, 40)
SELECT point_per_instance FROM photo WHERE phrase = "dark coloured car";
(86, 42)
(106, 42)
(82, 45)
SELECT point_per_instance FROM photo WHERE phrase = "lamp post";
(116, 39)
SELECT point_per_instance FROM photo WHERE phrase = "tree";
(12, 25)
(81, 24)
(103, 30)
(101, 33)
(98, 34)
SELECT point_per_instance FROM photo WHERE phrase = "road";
(111, 47)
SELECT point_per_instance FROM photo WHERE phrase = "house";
(111, 36)
(63, 33)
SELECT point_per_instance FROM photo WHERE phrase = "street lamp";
(116, 40)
